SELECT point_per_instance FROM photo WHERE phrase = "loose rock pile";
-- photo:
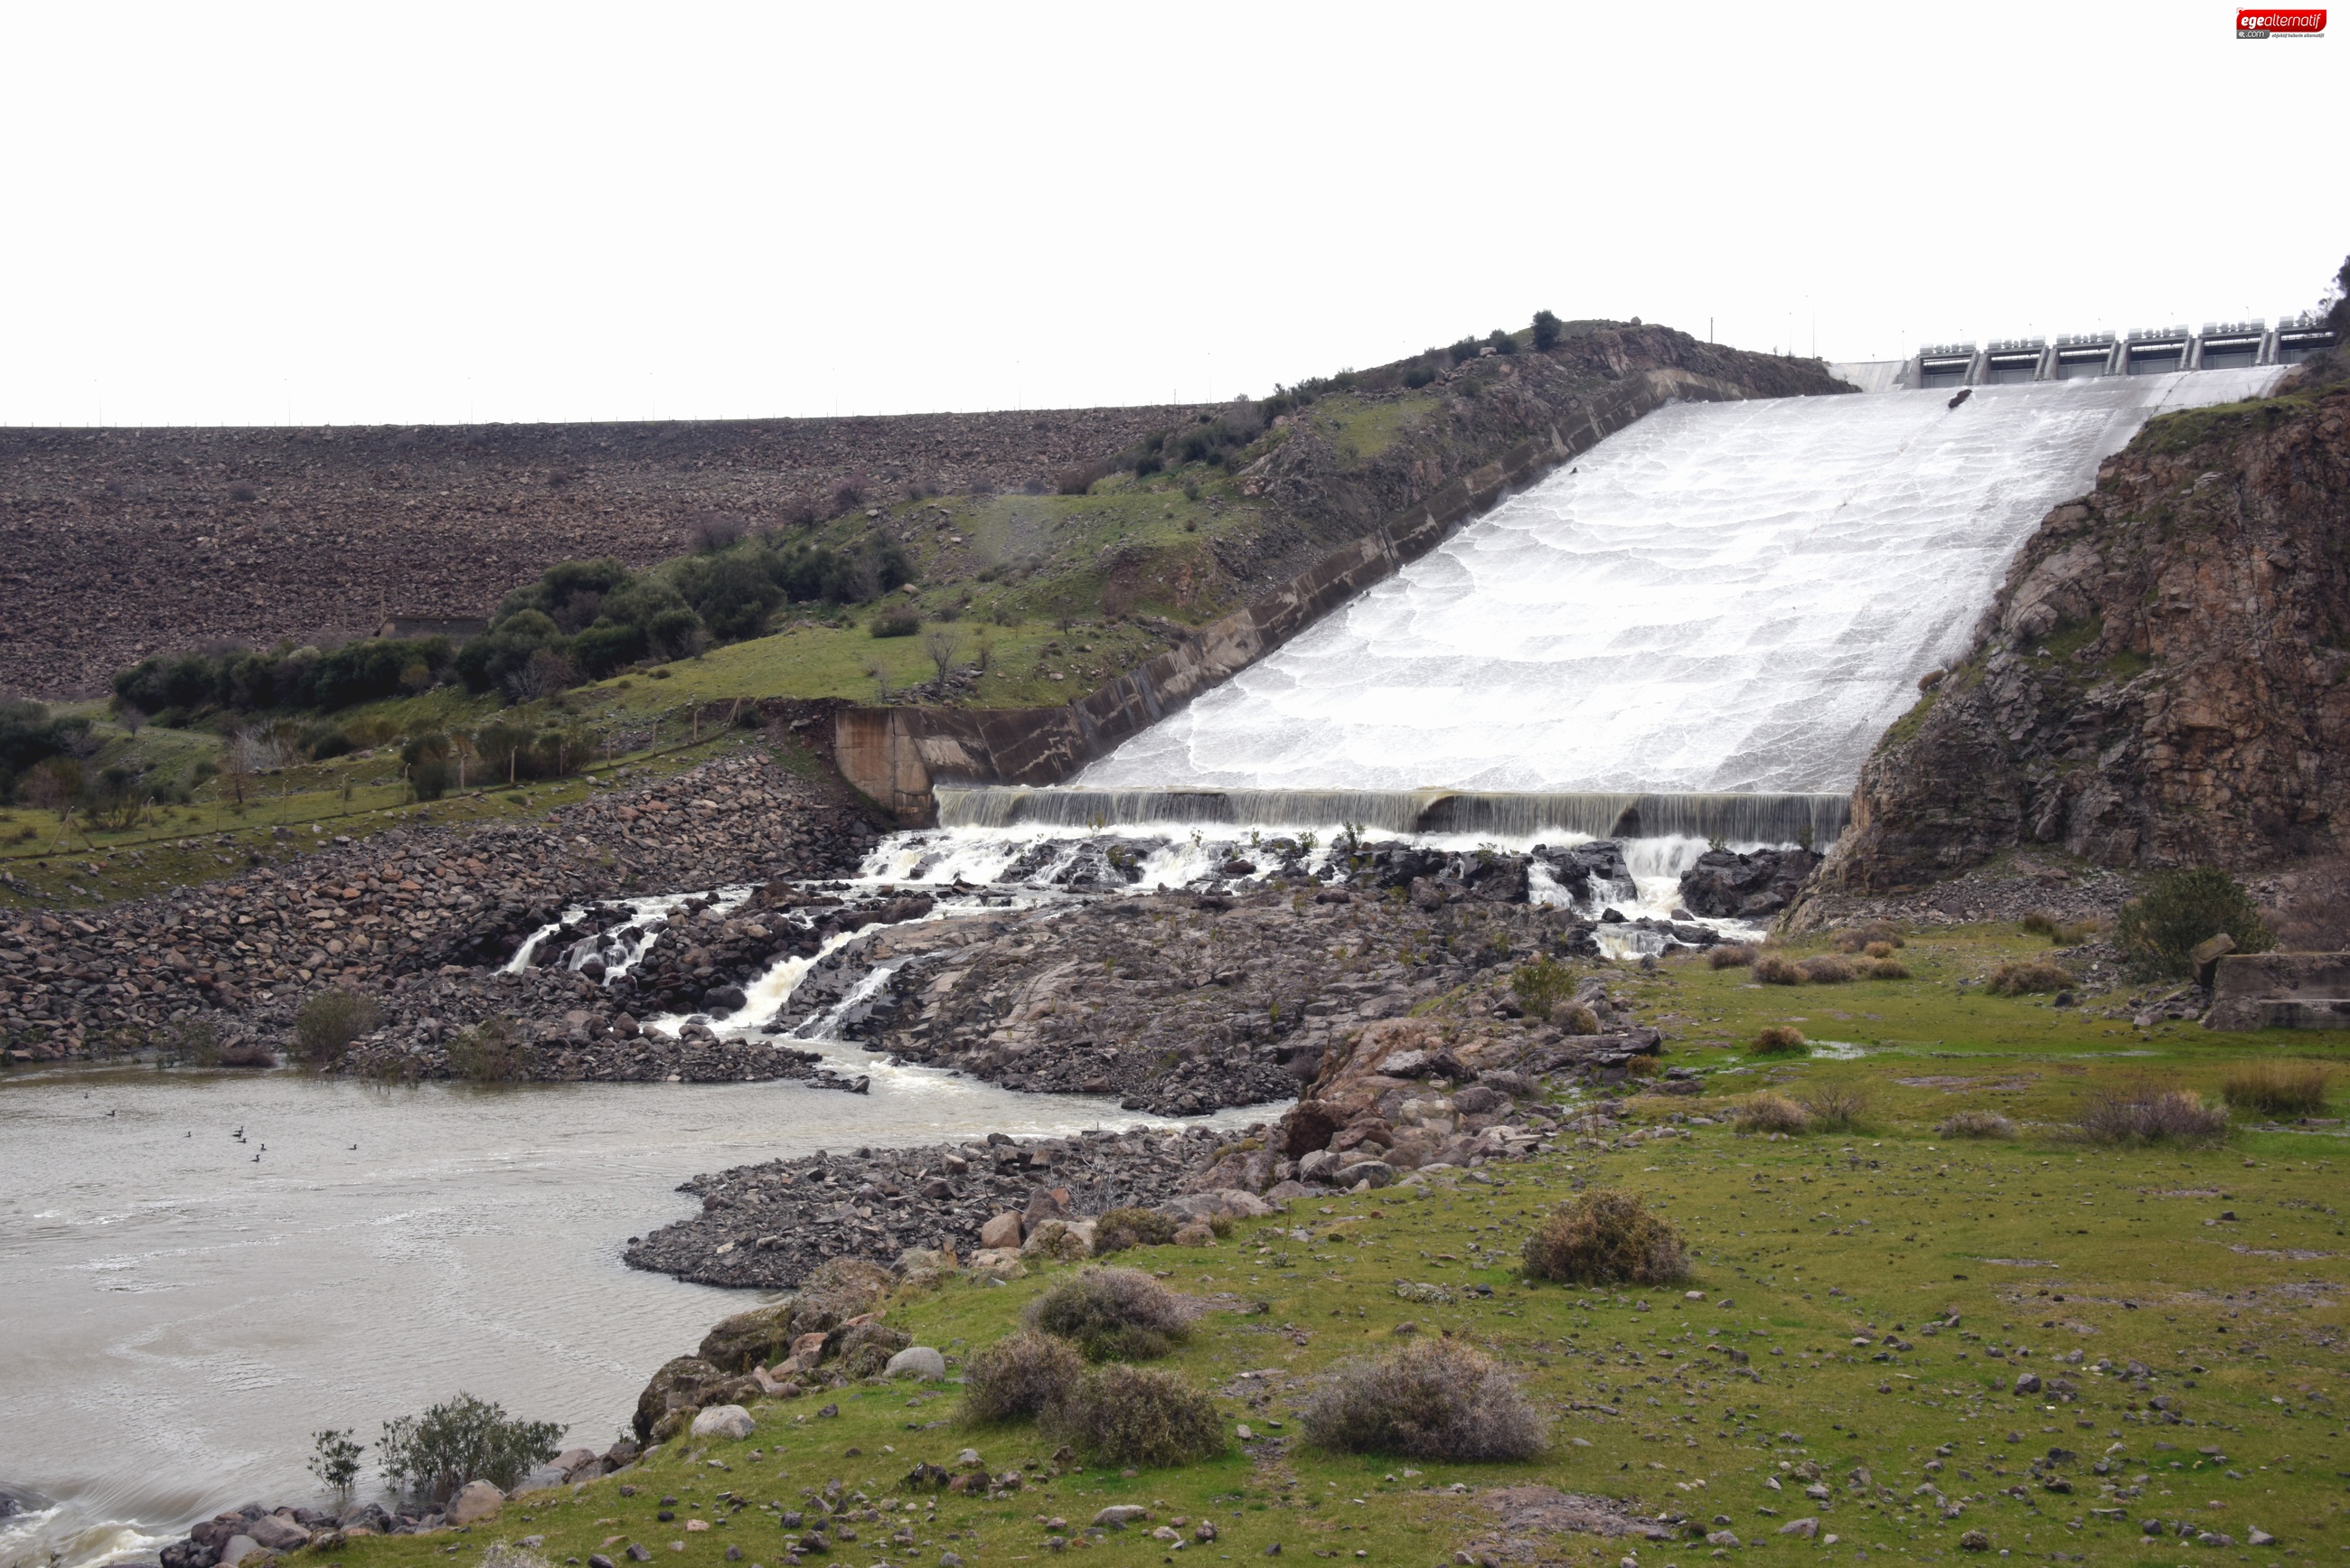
(416, 916)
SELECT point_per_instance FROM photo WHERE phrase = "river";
(182, 1316)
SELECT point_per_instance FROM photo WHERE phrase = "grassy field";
(1862, 1301)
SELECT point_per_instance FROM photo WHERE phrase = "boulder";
(1370, 1172)
(273, 1533)
(541, 1479)
(999, 1263)
(236, 1549)
(1065, 1240)
(474, 1502)
(1000, 1231)
(1118, 1515)
(749, 1339)
(686, 1383)
(863, 1348)
(1723, 883)
(917, 1361)
(724, 1421)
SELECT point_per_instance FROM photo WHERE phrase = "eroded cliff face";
(2161, 679)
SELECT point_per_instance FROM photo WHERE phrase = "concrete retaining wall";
(894, 755)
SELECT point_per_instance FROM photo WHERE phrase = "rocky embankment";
(116, 543)
(2164, 679)
(422, 918)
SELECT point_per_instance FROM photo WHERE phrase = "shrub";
(1547, 327)
(1121, 1414)
(1886, 968)
(1769, 1113)
(1024, 1373)
(1826, 969)
(492, 1052)
(1122, 1228)
(1836, 1107)
(896, 622)
(1860, 938)
(1878, 950)
(1602, 1238)
(1730, 955)
(464, 1439)
(2063, 933)
(1541, 986)
(2023, 979)
(330, 1021)
(2181, 910)
(1575, 1018)
(1431, 1399)
(2040, 923)
(1780, 1040)
(1112, 1314)
(1976, 1123)
(1772, 969)
(2147, 1115)
(2277, 1088)
(430, 780)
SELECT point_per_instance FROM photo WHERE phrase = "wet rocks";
(771, 1226)
(1726, 885)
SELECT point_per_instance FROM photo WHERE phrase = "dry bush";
(493, 1051)
(2278, 1088)
(1020, 1374)
(1886, 968)
(1431, 1399)
(246, 1054)
(1826, 969)
(1730, 955)
(1769, 1113)
(1878, 950)
(2022, 979)
(1575, 1018)
(1782, 1040)
(1836, 1107)
(1123, 1228)
(2040, 923)
(330, 1021)
(1976, 1123)
(1772, 970)
(1112, 1315)
(1876, 933)
(1121, 1414)
(1604, 1238)
(2062, 932)
(1643, 1066)
(2148, 1115)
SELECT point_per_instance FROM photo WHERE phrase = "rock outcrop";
(2164, 679)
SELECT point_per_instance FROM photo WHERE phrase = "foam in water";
(1720, 597)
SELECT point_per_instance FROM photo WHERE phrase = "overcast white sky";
(250, 214)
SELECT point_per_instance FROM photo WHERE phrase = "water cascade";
(1722, 600)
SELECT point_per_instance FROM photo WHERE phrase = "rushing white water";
(1722, 597)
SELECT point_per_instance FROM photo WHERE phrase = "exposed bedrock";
(2160, 680)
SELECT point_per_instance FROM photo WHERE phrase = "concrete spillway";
(1724, 598)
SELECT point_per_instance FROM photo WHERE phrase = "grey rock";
(917, 1361)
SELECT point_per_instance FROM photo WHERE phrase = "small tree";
(330, 1021)
(944, 645)
(1547, 327)
(464, 1439)
(2181, 910)
(492, 1052)
(337, 1460)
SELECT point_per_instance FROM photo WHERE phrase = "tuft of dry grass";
(1878, 950)
(1123, 1228)
(1780, 1040)
(1431, 1399)
(1825, 969)
(1730, 955)
(1604, 1238)
(2278, 1088)
(1770, 1113)
(2022, 979)
(1976, 1123)
(1836, 1108)
(2148, 1115)
(1770, 968)
(1868, 938)
(1886, 969)
(1023, 1373)
(1575, 1018)
(1122, 1415)
(1112, 1315)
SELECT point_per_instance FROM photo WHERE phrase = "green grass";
(1360, 430)
(1798, 1246)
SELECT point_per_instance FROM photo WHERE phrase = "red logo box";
(2266, 24)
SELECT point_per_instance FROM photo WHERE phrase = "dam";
(1708, 620)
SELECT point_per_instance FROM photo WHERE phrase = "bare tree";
(547, 673)
(944, 645)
